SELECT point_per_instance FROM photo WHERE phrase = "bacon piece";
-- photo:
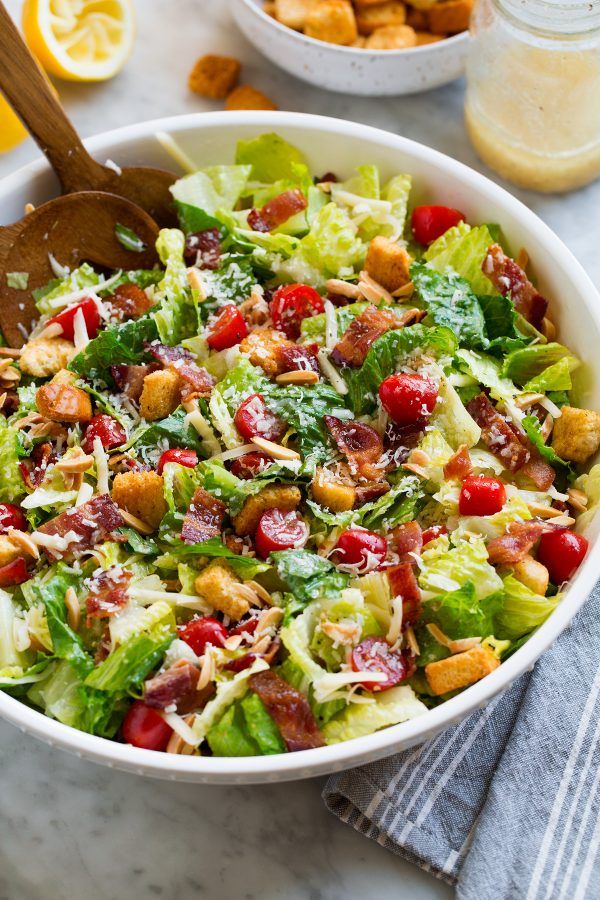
(407, 539)
(367, 492)
(497, 434)
(203, 519)
(403, 583)
(167, 355)
(177, 683)
(33, 471)
(107, 593)
(459, 465)
(361, 445)
(203, 248)
(516, 544)
(244, 662)
(92, 523)
(293, 357)
(277, 211)
(129, 301)
(352, 348)
(399, 440)
(289, 709)
(507, 276)
(539, 471)
(130, 379)
(195, 380)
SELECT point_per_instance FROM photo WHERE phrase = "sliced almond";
(261, 592)
(23, 541)
(75, 463)
(522, 259)
(136, 523)
(372, 290)
(195, 282)
(405, 291)
(577, 499)
(547, 426)
(548, 329)
(343, 288)
(298, 376)
(55, 329)
(544, 512)
(10, 374)
(178, 745)
(275, 450)
(411, 640)
(4, 364)
(28, 208)
(13, 352)
(73, 608)
(527, 400)
(564, 520)
(3, 399)
(454, 646)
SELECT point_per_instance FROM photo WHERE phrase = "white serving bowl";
(338, 146)
(351, 70)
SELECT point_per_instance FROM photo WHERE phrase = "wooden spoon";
(30, 95)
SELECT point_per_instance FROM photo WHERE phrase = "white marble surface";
(73, 830)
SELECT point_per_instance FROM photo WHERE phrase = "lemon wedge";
(80, 40)
(12, 132)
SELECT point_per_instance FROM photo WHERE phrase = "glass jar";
(532, 106)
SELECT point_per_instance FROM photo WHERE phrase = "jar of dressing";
(532, 106)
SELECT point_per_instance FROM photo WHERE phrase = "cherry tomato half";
(291, 304)
(66, 319)
(143, 727)
(228, 329)
(279, 530)
(14, 572)
(430, 222)
(11, 517)
(408, 399)
(359, 551)
(200, 632)
(374, 654)
(187, 458)
(562, 553)
(111, 433)
(250, 464)
(254, 419)
(481, 496)
(435, 531)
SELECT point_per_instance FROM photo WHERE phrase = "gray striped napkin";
(507, 803)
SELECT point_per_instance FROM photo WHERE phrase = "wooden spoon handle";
(31, 96)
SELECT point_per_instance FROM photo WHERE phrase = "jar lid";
(556, 17)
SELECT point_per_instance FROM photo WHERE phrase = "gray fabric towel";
(507, 803)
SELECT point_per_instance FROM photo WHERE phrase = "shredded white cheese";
(331, 373)
(43, 496)
(175, 151)
(80, 334)
(331, 327)
(101, 460)
(85, 493)
(233, 454)
(180, 727)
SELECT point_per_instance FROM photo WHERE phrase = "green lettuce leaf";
(11, 482)
(313, 328)
(460, 614)
(246, 729)
(245, 567)
(555, 378)
(461, 250)
(448, 568)
(522, 609)
(176, 318)
(132, 661)
(533, 430)
(308, 576)
(174, 429)
(332, 245)
(121, 343)
(401, 504)
(270, 158)
(450, 301)
(50, 588)
(391, 707)
(525, 364)
(452, 419)
(79, 278)
(201, 196)
(488, 372)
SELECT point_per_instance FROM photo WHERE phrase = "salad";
(308, 478)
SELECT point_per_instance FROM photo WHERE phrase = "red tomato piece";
(11, 517)
(66, 319)
(374, 654)
(562, 553)
(250, 464)
(291, 304)
(254, 419)
(435, 531)
(144, 728)
(200, 632)
(187, 458)
(279, 530)
(14, 572)
(481, 496)
(359, 551)
(430, 222)
(228, 329)
(408, 399)
(111, 433)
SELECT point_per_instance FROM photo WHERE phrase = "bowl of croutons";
(369, 47)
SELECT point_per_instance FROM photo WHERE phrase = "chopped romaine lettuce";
(461, 250)
(488, 372)
(529, 362)
(522, 610)
(391, 707)
(121, 343)
(556, 377)
(128, 665)
(11, 481)
(246, 729)
(450, 301)
(452, 419)
(270, 157)
(460, 614)
(446, 568)
(176, 318)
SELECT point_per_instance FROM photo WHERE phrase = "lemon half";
(80, 40)
(12, 132)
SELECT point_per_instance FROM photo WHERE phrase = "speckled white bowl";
(350, 70)
(338, 146)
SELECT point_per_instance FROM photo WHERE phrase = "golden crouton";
(292, 12)
(416, 18)
(392, 37)
(142, 495)
(45, 356)
(61, 401)
(8, 551)
(161, 394)
(218, 585)
(332, 21)
(388, 263)
(450, 17)
(460, 670)
(214, 76)
(336, 494)
(381, 16)
(426, 37)
(576, 434)
(269, 8)
(261, 347)
(360, 42)
(247, 97)
(360, 4)
(532, 574)
(276, 496)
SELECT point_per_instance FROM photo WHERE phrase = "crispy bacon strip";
(167, 355)
(293, 357)
(507, 276)
(108, 593)
(277, 211)
(363, 331)
(371, 491)
(539, 471)
(203, 248)
(516, 544)
(497, 434)
(170, 687)
(399, 440)
(403, 583)
(129, 301)
(33, 471)
(203, 519)
(289, 709)
(92, 523)
(407, 539)
(130, 379)
(361, 445)
(195, 381)
(459, 465)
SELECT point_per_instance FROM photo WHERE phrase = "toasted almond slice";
(564, 520)
(55, 329)
(522, 259)
(176, 742)
(343, 288)
(3, 399)
(13, 352)
(28, 208)
(136, 523)
(527, 400)
(73, 609)
(544, 512)
(547, 426)
(405, 291)
(195, 282)
(298, 376)
(372, 290)
(548, 329)
(411, 640)
(23, 541)
(275, 450)
(5, 363)
(577, 499)
(261, 592)
(269, 619)
(243, 592)
(10, 374)
(454, 646)
(78, 462)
